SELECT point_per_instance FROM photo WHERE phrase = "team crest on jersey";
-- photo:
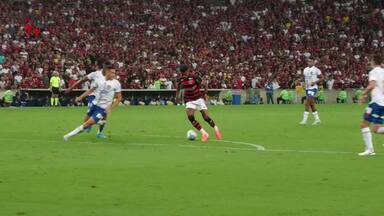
(109, 87)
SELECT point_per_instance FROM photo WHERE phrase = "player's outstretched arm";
(118, 98)
(85, 94)
(364, 94)
(81, 81)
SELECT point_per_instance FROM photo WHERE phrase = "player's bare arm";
(81, 81)
(320, 79)
(85, 94)
(364, 94)
(118, 98)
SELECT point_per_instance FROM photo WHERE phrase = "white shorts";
(198, 104)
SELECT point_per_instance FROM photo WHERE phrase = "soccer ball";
(191, 135)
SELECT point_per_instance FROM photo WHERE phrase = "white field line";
(187, 146)
(218, 147)
(258, 147)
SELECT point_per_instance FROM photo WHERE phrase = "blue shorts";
(374, 113)
(96, 113)
(90, 100)
(90, 103)
(311, 93)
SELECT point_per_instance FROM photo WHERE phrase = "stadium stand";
(238, 45)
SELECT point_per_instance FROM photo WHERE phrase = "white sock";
(305, 116)
(76, 131)
(380, 130)
(367, 137)
(316, 116)
(216, 128)
(203, 131)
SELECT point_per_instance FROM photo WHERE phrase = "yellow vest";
(299, 89)
(55, 81)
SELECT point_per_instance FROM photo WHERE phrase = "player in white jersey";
(312, 77)
(93, 77)
(108, 96)
(374, 113)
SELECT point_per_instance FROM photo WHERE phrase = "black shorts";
(55, 90)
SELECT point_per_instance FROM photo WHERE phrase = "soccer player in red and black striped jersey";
(194, 99)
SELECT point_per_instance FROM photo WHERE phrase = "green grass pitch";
(148, 168)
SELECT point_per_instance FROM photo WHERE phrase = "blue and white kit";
(93, 77)
(104, 95)
(311, 75)
(374, 113)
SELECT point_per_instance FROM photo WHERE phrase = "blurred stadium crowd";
(238, 44)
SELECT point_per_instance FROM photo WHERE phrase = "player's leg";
(378, 128)
(102, 124)
(191, 117)
(87, 117)
(90, 112)
(57, 97)
(306, 112)
(57, 100)
(53, 95)
(378, 121)
(204, 113)
(80, 129)
(367, 137)
(314, 111)
(371, 115)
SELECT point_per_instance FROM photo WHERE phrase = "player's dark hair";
(183, 68)
(108, 65)
(311, 60)
(378, 59)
